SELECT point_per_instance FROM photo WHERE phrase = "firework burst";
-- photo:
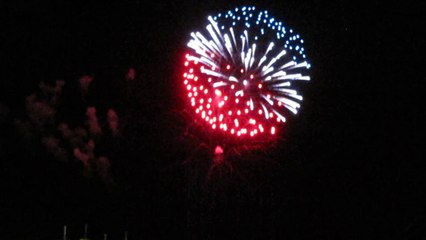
(240, 72)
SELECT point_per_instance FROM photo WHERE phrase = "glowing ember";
(218, 150)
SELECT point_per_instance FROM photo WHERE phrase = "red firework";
(230, 88)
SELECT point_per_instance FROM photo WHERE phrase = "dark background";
(349, 167)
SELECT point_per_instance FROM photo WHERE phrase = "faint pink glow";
(83, 157)
(85, 82)
(112, 119)
(94, 127)
(131, 74)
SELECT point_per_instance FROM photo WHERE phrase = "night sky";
(347, 167)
